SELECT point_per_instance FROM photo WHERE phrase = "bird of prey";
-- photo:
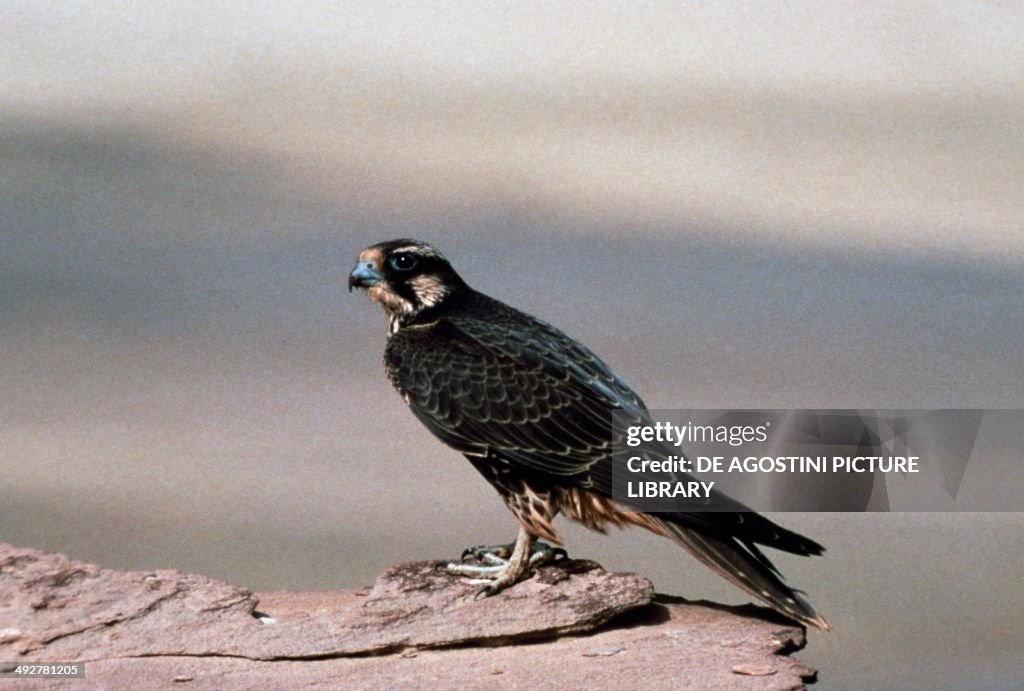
(530, 408)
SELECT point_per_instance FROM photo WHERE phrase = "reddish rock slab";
(54, 608)
(573, 625)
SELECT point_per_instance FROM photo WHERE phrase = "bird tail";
(743, 564)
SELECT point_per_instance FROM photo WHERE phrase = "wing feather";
(544, 403)
(516, 388)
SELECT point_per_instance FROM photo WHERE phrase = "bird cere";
(529, 406)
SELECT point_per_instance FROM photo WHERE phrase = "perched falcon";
(531, 408)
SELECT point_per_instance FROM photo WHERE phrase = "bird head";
(405, 277)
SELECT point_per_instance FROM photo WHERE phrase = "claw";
(488, 552)
(552, 553)
(502, 566)
(540, 553)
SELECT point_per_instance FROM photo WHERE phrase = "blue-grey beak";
(364, 276)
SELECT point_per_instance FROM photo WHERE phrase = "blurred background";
(736, 205)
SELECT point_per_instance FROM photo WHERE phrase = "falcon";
(531, 409)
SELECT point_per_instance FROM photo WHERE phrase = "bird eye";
(402, 262)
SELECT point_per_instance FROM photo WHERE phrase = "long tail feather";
(745, 566)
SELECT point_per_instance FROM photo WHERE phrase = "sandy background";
(816, 207)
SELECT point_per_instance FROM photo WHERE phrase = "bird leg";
(506, 565)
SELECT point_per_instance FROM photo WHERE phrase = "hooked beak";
(364, 275)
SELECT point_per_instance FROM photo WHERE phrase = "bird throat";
(427, 292)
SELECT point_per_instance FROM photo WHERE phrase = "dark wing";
(520, 403)
(516, 387)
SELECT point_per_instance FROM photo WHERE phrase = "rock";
(417, 626)
(76, 611)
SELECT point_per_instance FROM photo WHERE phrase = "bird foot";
(498, 568)
(499, 555)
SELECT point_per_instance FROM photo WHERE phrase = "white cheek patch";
(429, 289)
